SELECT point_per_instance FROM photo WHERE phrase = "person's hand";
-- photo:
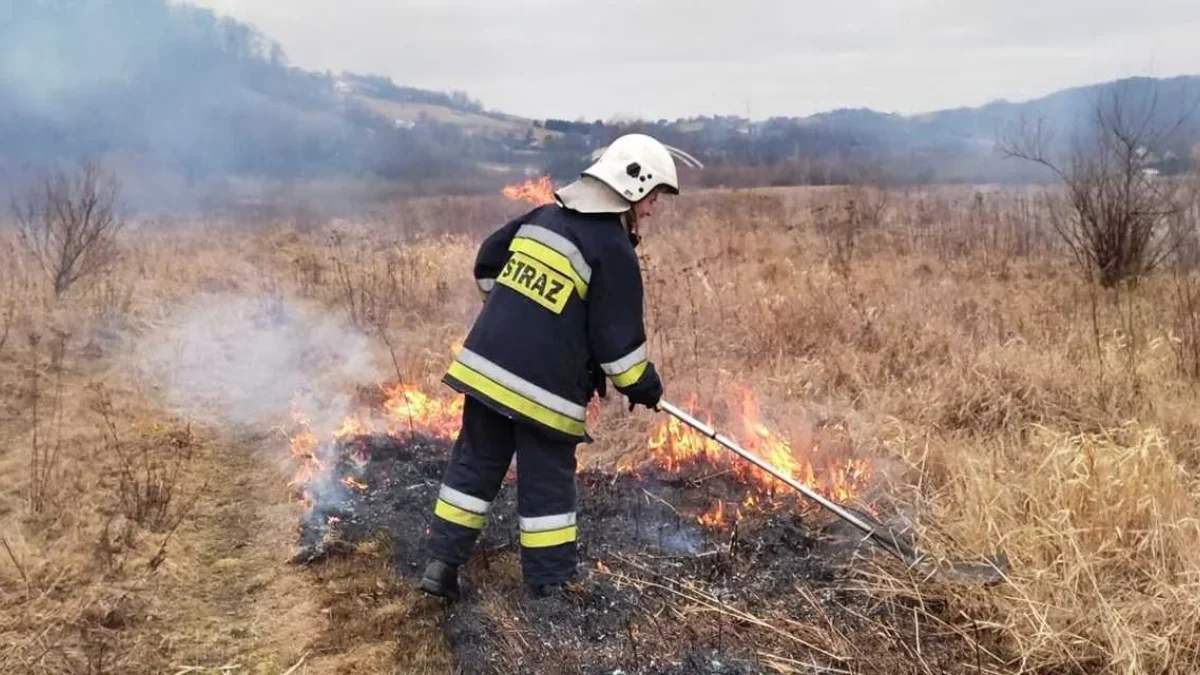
(648, 391)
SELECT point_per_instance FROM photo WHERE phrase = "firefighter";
(563, 310)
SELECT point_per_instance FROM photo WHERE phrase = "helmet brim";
(590, 195)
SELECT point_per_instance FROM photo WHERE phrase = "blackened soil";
(658, 593)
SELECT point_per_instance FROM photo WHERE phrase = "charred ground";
(660, 593)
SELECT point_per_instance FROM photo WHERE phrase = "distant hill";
(1062, 110)
(180, 91)
(175, 86)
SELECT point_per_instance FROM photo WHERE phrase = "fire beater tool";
(990, 570)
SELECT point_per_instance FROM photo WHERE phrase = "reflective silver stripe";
(547, 523)
(521, 386)
(486, 285)
(462, 500)
(562, 245)
(625, 362)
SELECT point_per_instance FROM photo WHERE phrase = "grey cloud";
(670, 58)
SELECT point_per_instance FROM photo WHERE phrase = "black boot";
(440, 579)
(546, 590)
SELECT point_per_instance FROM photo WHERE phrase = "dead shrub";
(150, 467)
(845, 217)
(45, 453)
(70, 223)
(1113, 208)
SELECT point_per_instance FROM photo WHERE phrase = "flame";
(602, 568)
(407, 410)
(675, 446)
(713, 518)
(350, 427)
(536, 192)
(410, 409)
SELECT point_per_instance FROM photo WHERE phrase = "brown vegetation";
(1007, 403)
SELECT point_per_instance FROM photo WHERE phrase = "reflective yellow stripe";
(537, 281)
(544, 523)
(630, 376)
(463, 500)
(513, 382)
(549, 538)
(543, 253)
(450, 512)
(625, 362)
(515, 401)
(561, 244)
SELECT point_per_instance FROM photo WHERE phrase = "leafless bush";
(853, 212)
(44, 453)
(149, 470)
(8, 301)
(69, 223)
(1185, 289)
(1114, 207)
(6, 321)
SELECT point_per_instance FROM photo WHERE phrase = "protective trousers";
(545, 493)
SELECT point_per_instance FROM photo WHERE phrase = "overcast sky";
(677, 58)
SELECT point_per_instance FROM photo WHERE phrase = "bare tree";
(1114, 209)
(69, 223)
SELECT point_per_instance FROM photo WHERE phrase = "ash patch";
(658, 593)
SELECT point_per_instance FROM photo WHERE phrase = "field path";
(237, 601)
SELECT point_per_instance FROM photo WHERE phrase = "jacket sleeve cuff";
(627, 370)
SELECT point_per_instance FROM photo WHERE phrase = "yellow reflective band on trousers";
(447, 511)
(544, 254)
(563, 535)
(630, 376)
(516, 402)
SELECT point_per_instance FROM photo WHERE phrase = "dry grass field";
(146, 516)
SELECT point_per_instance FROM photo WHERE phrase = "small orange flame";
(602, 568)
(536, 192)
(350, 427)
(674, 446)
(713, 518)
(407, 410)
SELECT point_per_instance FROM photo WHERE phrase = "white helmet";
(632, 166)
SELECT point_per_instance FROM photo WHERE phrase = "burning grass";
(947, 369)
(667, 592)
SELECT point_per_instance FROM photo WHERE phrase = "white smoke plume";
(237, 360)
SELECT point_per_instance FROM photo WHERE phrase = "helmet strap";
(630, 219)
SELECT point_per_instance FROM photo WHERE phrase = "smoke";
(236, 360)
(183, 101)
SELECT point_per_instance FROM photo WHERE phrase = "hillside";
(1062, 110)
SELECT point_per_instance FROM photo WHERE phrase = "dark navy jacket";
(564, 298)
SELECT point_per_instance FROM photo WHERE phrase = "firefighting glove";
(647, 391)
